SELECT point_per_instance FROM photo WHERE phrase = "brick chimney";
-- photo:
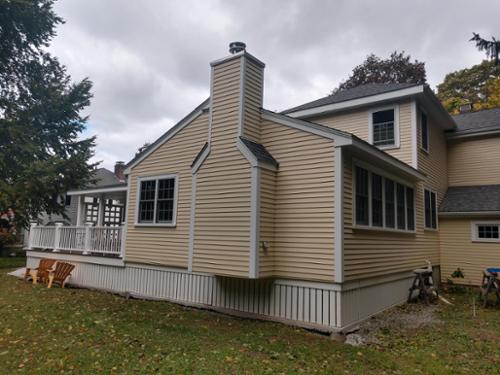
(119, 169)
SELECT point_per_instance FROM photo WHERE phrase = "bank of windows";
(487, 232)
(383, 203)
(157, 200)
(430, 205)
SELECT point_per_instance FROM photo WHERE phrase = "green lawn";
(74, 331)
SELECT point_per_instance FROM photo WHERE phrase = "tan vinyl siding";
(474, 161)
(357, 122)
(161, 245)
(369, 253)
(252, 100)
(458, 251)
(304, 204)
(434, 163)
(222, 225)
(267, 217)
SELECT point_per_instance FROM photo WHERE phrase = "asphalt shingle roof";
(354, 93)
(105, 178)
(260, 152)
(480, 121)
(471, 199)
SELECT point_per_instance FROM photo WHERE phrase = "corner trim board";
(241, 107)
(414, 133)
(339, 216)
(192, 223)
(253, 272)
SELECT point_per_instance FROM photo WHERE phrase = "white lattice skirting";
(327, 307)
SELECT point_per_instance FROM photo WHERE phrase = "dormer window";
(384, 127)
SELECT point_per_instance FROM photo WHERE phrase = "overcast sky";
(149, 60)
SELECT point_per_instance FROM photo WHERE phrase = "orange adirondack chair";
(40, 273)
(60, 274)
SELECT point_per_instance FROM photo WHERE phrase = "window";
(384, 128)
(156, 203)
(400, 206)
(410, 209)
(424, 143)
(486, 232)
(67, 200)
(390, 214)
(382, 203)
(430, 209)
(377, 211)
(362, 196)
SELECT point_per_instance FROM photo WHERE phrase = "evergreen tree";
(42, 152)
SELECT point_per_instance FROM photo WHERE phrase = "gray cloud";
(149, 60)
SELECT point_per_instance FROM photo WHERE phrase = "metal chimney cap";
(235, 47)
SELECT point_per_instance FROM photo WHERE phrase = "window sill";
(153, 225)
(423, 150)
(383, 230)
(494, 241)
(431, 229)
(387, 147)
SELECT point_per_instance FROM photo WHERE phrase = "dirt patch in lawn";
(407, 319)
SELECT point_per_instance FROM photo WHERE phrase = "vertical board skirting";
(298, 302)
(288, 300)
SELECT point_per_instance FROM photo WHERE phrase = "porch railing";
(84, 239)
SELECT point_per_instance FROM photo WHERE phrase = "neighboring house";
(315, 216)
(100, 203)
(469, 225)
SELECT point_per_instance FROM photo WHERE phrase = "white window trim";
(394, 107)
(436, 208)
(475, 231)
(174, 213)
(422, 133)
(371, 169)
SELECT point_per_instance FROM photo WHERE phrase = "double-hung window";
(424, 129)
(486, 232)
(384, 132)
(430, 204)
(157, 200)
(381, 202)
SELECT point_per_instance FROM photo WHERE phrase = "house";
(469, 222)
(82, 206)
(315, 216)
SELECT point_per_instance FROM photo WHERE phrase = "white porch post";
(57, 237)
(88, 227)
(80, 214)
(100, 212)
(123, 239)
(30, 236)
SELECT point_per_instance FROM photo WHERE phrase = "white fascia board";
(386, 158)
(340, 138)
(98, 190)
(201, 160)
(392, 95)
(452, 136)
(166, 137)
(251, 157)
(469, 214)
